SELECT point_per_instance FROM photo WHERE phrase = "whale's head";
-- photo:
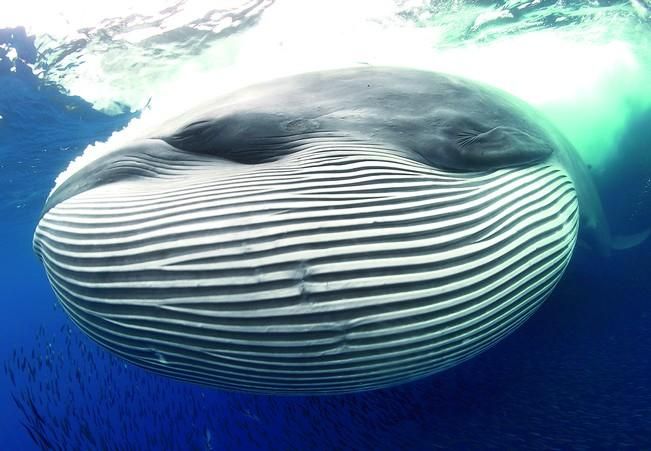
(327, 232)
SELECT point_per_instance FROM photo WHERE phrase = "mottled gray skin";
(442, 120)
(445, 121)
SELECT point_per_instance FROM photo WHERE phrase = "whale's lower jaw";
(324, 272)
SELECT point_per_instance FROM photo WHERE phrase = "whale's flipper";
(622, 242)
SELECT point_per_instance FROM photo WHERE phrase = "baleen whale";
(322, 233)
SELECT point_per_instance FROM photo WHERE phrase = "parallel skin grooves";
(340, 267)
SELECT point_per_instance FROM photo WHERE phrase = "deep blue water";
(575, 376)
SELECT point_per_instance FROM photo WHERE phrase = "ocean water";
(574, 376)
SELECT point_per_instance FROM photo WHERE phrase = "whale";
(321, 233)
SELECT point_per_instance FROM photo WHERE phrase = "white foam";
(587, 78)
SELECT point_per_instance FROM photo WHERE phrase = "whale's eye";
(465, 143)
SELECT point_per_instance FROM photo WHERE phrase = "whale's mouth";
(327, 271)
(144, 159)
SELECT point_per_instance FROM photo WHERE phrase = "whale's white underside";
(341, 267)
